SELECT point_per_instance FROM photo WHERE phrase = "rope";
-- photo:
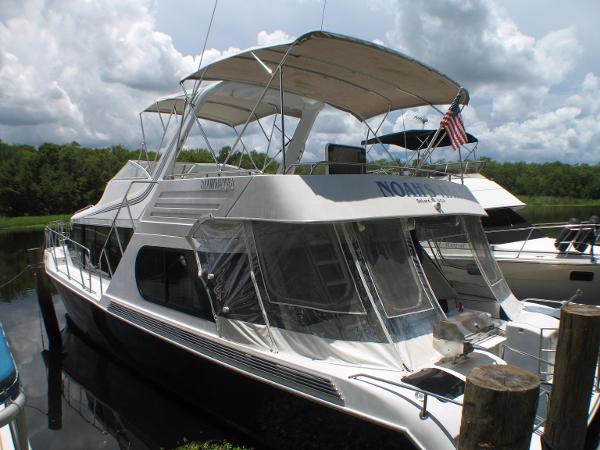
(323, 14)
(27, 267)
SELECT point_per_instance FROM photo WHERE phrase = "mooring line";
(27, 267)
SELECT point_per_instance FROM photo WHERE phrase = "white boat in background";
(534, 264)
(311, 309)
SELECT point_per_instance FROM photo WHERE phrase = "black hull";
(267, 414)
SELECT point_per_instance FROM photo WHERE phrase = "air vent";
(291, 377)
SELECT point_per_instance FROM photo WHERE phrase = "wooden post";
(44, 296)
(574, 369)
(499, 408)
(54, 365)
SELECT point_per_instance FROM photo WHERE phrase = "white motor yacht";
(310, 307)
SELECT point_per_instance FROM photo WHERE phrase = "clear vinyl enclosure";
(370, 281)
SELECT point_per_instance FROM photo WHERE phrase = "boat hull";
(274, 417)
(553, 281)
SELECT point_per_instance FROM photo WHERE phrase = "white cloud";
(72, 70)
(276, 37)
(568, 133)
(478, 44)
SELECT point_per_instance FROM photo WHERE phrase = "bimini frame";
(359, 77)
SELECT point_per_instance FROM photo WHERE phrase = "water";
(547, 214)
(104, 405)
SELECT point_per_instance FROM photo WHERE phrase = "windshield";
(304, 266)
(386, 252)
(310, 287)
(459, 250)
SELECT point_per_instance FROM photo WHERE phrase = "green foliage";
(581, 181)
(55, 179)
(209, 445)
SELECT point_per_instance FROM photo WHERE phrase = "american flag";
(453, 124)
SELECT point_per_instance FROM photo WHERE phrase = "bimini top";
(360, 77)
(231, 103)
(414, 139)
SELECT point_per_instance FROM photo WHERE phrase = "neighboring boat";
(534, 264)
(307, 308)
(13, 423)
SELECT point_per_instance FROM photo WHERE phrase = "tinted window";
(94, 238)
(304, 266)
(168, 277)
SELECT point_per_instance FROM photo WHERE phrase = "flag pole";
(430, 147)
(462, 177)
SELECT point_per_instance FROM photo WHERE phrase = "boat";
(13, 421)
(552, 261)
(305, 304)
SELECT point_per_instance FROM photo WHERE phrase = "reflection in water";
(114, 401)
(546, 214)
(13, 259)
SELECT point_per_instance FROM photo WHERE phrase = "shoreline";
(29, 223)
(542, 200)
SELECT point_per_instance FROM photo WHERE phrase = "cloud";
(72, 70)
(478, 44)
(568, 133)
(276, 37)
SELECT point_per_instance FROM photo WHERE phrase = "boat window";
(458, 248)
(168, 277)
(303, 266)
(95, 238)
(486, 262)
(226, 271)
(386, 253)
(308, 285)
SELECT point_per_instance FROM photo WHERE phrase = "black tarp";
(414, 139)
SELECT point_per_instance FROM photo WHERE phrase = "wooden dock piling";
(574, 370)
(499, 408)
(44, 296)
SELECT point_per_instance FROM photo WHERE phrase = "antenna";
(423, 120)
(212, 16)
(323, 13)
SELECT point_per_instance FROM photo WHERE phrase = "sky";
(77, 70)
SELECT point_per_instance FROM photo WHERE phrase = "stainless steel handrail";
(423, 414)
(113, 229)
(14, 415)
(583, 226)
(412, 171)
(59, 239)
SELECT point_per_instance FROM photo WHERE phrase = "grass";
(209, 445)
(29, 222)
(534, 200)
